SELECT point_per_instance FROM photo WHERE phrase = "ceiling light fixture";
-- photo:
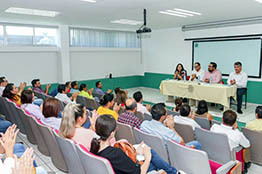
(92, 1)
(27, 11)
(180, 13)
(172, 14)
(127, 22)
(187, 11)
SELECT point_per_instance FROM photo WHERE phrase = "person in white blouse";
(230, 128)
(140, 107)
(62, 96)
(238, 78)
(198, 72)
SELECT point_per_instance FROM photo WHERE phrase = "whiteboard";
(226, 52)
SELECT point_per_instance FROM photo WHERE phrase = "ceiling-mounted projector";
(143, 28)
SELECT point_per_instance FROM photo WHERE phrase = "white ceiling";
(79, 13)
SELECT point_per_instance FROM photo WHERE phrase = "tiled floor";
(153, 96)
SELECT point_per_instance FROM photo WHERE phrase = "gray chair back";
(154, 141)
(255, 139)
(97, 95)
(81, 100)
(28, 130)
(125, 131)
(71, 157)
(41, 143)
(53, 148)
(203, 122)
(94, 164)
(187, 159)
(147, 117)
(140, 115)
(6, 111)
(2, 109)
(91, 103)
(169, 112)
(185, 131)
(38, 95)
(13, 110)
(216, 145)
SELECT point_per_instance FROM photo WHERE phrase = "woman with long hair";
(13, 93)
(180, 72)
(107, 103)
(105, 128)
(202, 110)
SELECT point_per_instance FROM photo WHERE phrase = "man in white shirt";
(186, 117)
(140, 107)
(198, 72)
(3, 83)
(238, 78)
(61, 95)
(230, 128)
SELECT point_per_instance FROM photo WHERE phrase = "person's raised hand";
(24, 165)
(170, 121)
(147, 153)
(116, 108)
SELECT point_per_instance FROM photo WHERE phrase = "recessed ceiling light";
(187, 11)
(172, 14)
(180, 13)
(127, 22)
(93, 1)
(27, 11)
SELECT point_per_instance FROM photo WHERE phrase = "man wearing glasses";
(212, 75)
(198, 73)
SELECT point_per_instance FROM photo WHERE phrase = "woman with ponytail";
(105, 127)
(107, 102)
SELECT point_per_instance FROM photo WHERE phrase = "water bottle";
(198, 79)
(210, 80)
(184, 77)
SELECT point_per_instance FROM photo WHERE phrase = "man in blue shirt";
(98, 89)
(163, 125)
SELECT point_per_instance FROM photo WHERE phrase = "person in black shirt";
(105, 128)
(180, 72)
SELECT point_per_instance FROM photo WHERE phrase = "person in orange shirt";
(13, 93)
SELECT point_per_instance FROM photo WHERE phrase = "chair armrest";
(226, 167)
(237, 149)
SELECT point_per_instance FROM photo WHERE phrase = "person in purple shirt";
(37, 86)
(98, 89)
(213, 74)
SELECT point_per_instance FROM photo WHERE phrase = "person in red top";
(129, 117)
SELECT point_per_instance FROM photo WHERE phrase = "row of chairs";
(67, 158)
(174, 153)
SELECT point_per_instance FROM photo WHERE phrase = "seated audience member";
(27, 98)
(164, 126)
(202, 110)
(98, 89)
(180, 72)
(230, 128)
(11, 150)
(68, 87)
(213, 74)
(13, 93)
(105, 128)
(257, 123)
(198, 72)
(128, 117)
(121, 98)
(51, 109)
(186, 117)
(62, 95)
(178, 103)
(118, 89)
(37, 87)
(74, 87)
(238, 78)
(86, 93)
(107, 102)
(74, 117)
(3, 83)
(140, 107)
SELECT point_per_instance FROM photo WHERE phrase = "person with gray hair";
(128, 117)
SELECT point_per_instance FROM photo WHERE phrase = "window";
(45, 36)
(27, 35)
(19, 35)
(1, 35)
(103, 38)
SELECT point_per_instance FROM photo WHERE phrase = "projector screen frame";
(231, 39)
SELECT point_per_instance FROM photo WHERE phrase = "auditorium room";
(131, 87)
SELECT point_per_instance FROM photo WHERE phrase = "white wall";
(165, 48)
(25, 64)
(92, 63)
